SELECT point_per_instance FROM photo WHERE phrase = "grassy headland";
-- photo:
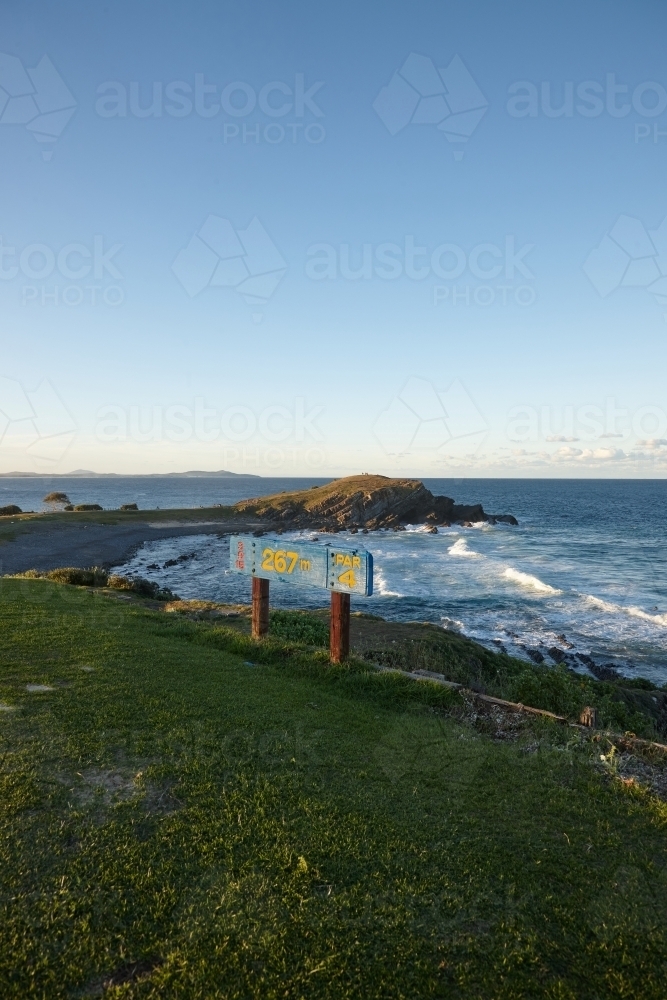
(186, 813)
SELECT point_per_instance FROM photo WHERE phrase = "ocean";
(585, 571)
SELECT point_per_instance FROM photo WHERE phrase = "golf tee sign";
(303, 564)
(338, 569)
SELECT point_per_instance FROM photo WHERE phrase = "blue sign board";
(304, 564)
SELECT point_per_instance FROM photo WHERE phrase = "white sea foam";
(452, 623)
(381, 587)
(460, 548)
(620, 609)
(528, 581)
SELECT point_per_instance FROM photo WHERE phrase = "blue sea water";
(587, 562)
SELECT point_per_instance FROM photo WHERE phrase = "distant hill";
(87, 474)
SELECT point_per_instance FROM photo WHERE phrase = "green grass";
(204, 828)
(299, 626)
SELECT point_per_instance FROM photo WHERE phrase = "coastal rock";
(503, 519)
(367, 501)
(9, 510)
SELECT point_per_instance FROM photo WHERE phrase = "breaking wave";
(460, 548)
(528, 581)
(634, 612)
(380, 585)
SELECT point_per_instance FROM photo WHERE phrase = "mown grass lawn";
(176, 822)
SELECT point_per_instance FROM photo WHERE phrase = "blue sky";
(177, 274)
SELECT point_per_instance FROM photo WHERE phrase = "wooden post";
(260, 607)
(588, 717)
(339, 629)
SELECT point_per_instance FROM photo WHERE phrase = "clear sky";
(314, 239)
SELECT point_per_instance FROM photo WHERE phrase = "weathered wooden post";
(260, 607)
(589, 717)
(339, 628)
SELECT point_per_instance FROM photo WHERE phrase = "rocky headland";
(365, 502)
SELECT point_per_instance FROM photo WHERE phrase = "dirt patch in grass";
(110, 785)
(123, 975)
(632, 770)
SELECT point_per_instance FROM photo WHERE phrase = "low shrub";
(142, 587)
(128, 506)
(87, 506)
(295, 626)
(72, 575)
(95, 576)
(56, 498)
(9, 510)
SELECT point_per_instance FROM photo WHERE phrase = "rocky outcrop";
(9, 510)
(365, 501)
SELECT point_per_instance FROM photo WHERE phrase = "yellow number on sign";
(348, 579)
(280, 562)
(277, 561)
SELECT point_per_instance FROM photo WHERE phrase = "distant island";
(87, 474)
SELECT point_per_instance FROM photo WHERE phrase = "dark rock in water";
(534, 654)
(364, 531)
(557, 654)
(464, 512)
(128, 506)
(604, 671)
(354, 531)
(432, 530)
(568, 645)
(464, 524)
(503, 518)
(9, 510)
(179, 559)
(587, 660)
(371, 502)
(153, 566)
